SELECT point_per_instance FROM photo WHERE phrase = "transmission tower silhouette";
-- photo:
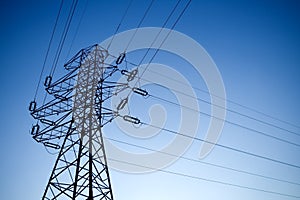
(72, 120)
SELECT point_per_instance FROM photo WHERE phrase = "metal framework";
(71, 122)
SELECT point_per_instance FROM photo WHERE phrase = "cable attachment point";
(122, 104)
(125, 72)
(120, 58)
(48, 122)
(130, 119)
(130, 75)
(48, 81)
(140, 91)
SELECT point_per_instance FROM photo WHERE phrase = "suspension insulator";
(140, 91)
(32, 106)
(48, 122)
(120, 58)
(125, 72)
(48, 81)
(130, 119)
(51, 145)
(122, 104)
(35, 129)
(132, 75)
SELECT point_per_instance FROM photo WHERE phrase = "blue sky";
(255, 45)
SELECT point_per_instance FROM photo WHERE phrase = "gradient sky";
(255, 45)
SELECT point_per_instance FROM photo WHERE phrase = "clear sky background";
(255, 45)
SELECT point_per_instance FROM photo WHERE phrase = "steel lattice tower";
(71, 122)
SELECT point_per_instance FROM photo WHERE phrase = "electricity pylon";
(72, 120)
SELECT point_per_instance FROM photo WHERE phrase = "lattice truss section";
(71, 122)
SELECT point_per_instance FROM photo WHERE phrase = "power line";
(224, 146)
(119, 25)
(175, 23)
(205, 179)
(140, 23)
(231, 110)
(156, 37)
(48, 49)
(226, 121)
(166, 37)
(228, 100)
(77, 28)
(203, 162)
(63, 37)
(264, 114)
(61, 43)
